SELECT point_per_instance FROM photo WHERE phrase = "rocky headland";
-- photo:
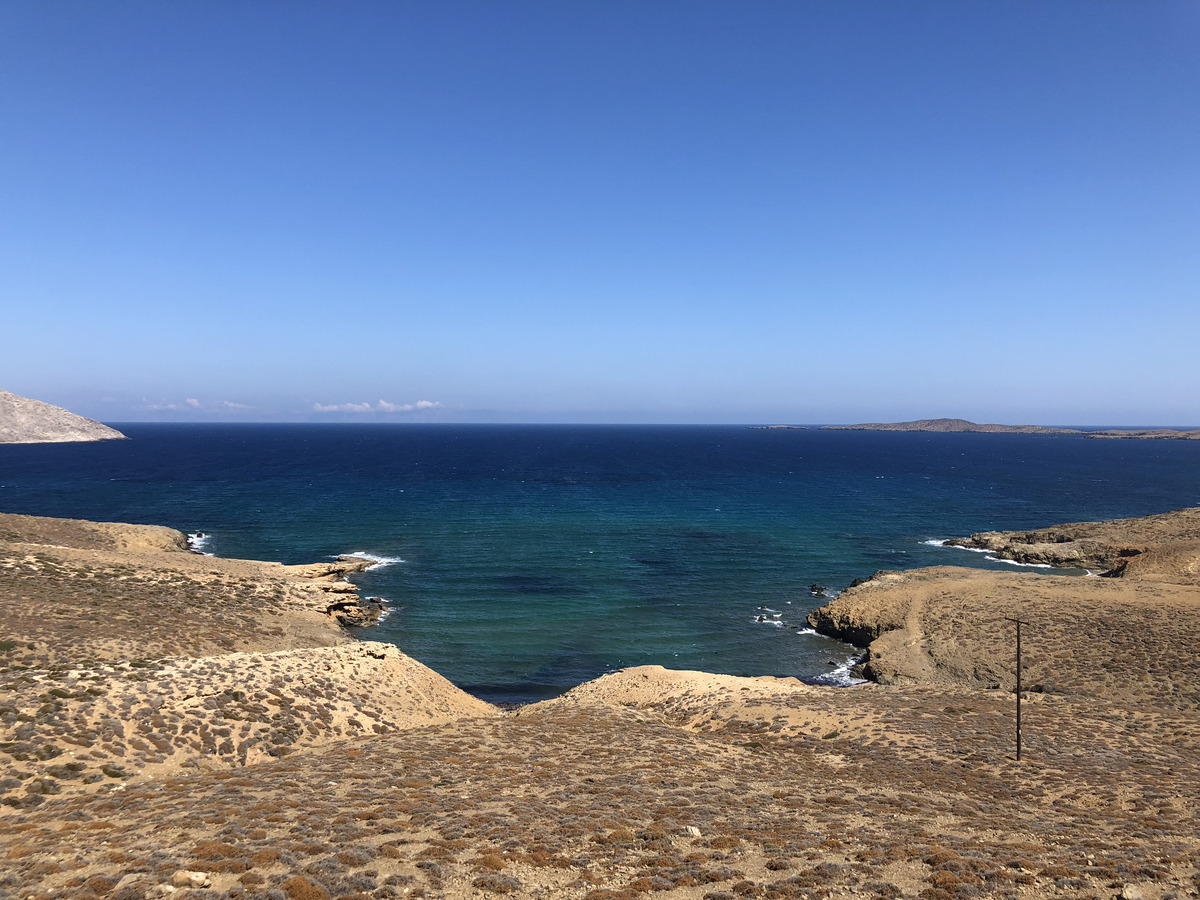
(1164, 547)
(948, 625)
(176, 725)
(25, 421)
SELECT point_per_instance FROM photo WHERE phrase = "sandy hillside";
(124, 655)
(911, 791)
(87, 591)
(326, 768)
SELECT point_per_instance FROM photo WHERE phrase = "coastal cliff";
(25, 421)
(179, 725)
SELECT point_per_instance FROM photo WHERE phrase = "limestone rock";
(330, 571)
(187, 878)
(25, 421)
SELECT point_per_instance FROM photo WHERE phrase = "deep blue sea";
(523, 560)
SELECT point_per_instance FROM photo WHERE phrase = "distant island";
(963, 425)
(25, 421)
(948, 425)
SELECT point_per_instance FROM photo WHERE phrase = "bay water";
(519, 561)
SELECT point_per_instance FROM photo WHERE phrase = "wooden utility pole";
(1019, 624)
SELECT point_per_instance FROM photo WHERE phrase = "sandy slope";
(306, 766)
(125, 655)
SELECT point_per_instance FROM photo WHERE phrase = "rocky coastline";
(947, 624)
(344, 606)
(177, 725)
(1164, 546)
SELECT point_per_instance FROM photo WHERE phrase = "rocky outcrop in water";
(25, 421)
(343, 604)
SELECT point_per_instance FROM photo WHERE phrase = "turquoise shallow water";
(526, 559)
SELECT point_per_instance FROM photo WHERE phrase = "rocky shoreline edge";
(173, 724)
(1157, 557)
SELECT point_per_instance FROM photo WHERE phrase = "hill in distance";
(25, 421)
(963, 425)
(945, 425)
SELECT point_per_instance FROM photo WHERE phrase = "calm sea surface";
(526, 559)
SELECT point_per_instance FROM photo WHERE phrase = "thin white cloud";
(192, 404)
(382, 407)
(158, 407)
(342, 407)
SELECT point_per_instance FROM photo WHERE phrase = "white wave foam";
(1013, 562)
(377, 562)
(950, 546)
(840, 676)
(763, 620)
(806, 631)
(197, 541)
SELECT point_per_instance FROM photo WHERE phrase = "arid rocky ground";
(176, 725)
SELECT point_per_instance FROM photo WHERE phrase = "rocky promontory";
(1164, 546)
(25, 421)
(949, 625)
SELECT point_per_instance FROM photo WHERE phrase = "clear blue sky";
(603, 211)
